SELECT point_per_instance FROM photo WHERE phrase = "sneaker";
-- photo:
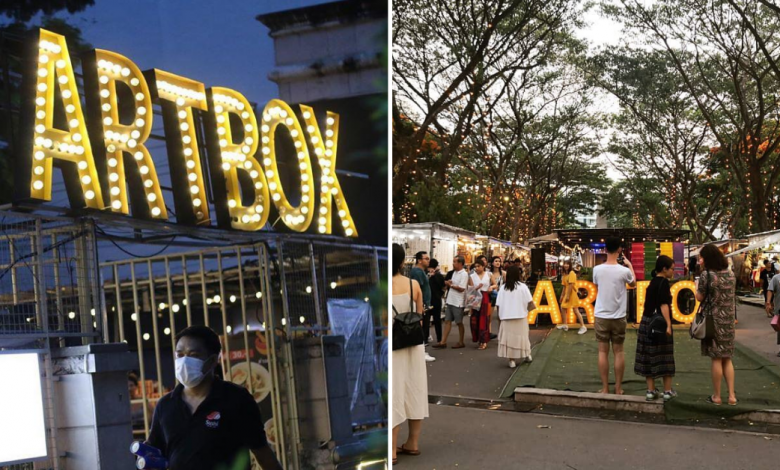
(582, 330)
(512, 364)
(565, 327)
(430, 339)
(560, 327)
(669, 394)
(429, 358)
(651, 395)
(529, 359)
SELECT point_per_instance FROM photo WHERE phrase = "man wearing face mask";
(206, 423)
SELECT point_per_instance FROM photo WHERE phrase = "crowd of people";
(498, 288)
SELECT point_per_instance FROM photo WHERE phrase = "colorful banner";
(666, 250)
(679, 260)
(651, 255)
(638, 260)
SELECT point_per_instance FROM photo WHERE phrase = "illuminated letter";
(234, 156)
(330, 189)
(55, 71)
(102, 71)
(178, 96)
(641, 296)
(676, 313)
(545, 288)
(587, 302)
(277, 113)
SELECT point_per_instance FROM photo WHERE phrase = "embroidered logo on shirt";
(212, 420)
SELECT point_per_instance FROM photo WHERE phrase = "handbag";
(473, 298)
(657, 325)
(407, 326)
(703, 325)
(775, 323)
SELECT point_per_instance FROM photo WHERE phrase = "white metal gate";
(49, 298)
(264, 299)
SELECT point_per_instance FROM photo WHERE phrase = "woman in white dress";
(410, 378)
(513, 304)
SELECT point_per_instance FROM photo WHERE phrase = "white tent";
(770, 239)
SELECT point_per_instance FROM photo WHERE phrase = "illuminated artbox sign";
(544, 289)
(107, 165)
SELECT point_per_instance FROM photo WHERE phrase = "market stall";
(443, 242)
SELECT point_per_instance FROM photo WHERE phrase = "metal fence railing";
(263, 299)
(49, 297)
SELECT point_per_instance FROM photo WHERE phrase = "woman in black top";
(765, 275)
(437, 293)
(654, 357)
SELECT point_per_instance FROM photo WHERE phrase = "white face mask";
(189, 371)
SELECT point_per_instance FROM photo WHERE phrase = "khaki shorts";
(453, 314)
(611, 330)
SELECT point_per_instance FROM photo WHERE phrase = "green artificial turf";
(568, 361)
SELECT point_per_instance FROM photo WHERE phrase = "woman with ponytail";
(655, 356)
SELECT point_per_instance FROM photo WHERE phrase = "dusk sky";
(219, 43)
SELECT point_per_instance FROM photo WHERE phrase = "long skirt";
(410, 385)
(513, 340)
(480, 321)
(653, 359)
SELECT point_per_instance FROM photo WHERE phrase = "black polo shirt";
(226, 423)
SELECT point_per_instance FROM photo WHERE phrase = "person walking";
(512, 306)
(420, 274)
(410, 379)
(480, 319)
(772, 302)
(436, 280)
(610, 311)
(765, 275)
(570, 302)
(715, 290)
(655, 356)
(455, 302)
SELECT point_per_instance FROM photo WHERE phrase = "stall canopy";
(724, 245)
(586, 236)
(759, 241)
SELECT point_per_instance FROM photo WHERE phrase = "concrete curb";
(761, 416)
(629, 403)
(600, 401)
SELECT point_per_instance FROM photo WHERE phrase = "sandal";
(482, 347)
(736, 402)
(395, 461)
(712, 402)
(404, 450)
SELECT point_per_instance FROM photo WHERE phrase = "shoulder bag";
(657, 325)
(703, 325)
(407, 326)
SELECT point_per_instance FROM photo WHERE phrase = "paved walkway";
(754, 331)
(469, 372)
(462, 438)
(456, 437)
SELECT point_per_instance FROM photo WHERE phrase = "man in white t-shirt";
(610, 311)
(455, 301)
